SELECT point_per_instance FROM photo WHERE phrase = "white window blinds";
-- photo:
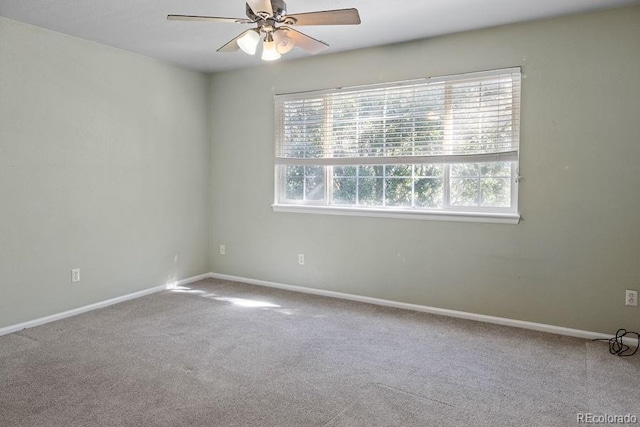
(453, 119)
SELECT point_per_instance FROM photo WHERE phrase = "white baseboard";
(321, 292)
(188, 280)
(559, 330)
(41, 321)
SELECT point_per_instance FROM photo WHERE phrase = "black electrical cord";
(617, 346)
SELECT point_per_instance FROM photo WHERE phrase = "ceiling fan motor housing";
(279, 11)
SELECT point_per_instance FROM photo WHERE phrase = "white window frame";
(446, 213)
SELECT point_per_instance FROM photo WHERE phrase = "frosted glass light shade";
(269, 52)
(249, 42)
(284, 43)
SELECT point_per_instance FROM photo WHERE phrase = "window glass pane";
(428, 192)
(464, 169)
(464, 192)
(435, 170)
(339, 171)
(294, 182)
(314, 188)
(495, 192)
(294, 188)
(421, 186)
(398, 191)
(313, 171)
(495, 169)
(344, 191)
(370, 170)
(370, 191)
(398, 170)
(294, 171)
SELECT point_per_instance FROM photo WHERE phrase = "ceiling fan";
(273, 27)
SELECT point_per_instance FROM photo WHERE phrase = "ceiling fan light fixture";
(284, 43)
(271, 20)
(269, 49)
(249, 42)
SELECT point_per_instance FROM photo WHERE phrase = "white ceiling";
(141, 26)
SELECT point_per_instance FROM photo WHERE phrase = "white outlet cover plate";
(631, 298)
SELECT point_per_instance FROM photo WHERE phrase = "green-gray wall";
(577, 248)
(104, 166)
(130, 169)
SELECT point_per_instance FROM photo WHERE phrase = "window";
(441, 148)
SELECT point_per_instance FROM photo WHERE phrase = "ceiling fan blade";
(261, 7)
(232, 46)
(327, 17)
(208, 19)
(305, 42)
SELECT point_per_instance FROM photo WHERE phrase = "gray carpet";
(200, 356)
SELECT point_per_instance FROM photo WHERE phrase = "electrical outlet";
(631, 298)
(301, 259)
(75, 275)
(223, 250)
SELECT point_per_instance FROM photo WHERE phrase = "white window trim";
(463, 214)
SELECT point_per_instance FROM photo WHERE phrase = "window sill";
(483, 217)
